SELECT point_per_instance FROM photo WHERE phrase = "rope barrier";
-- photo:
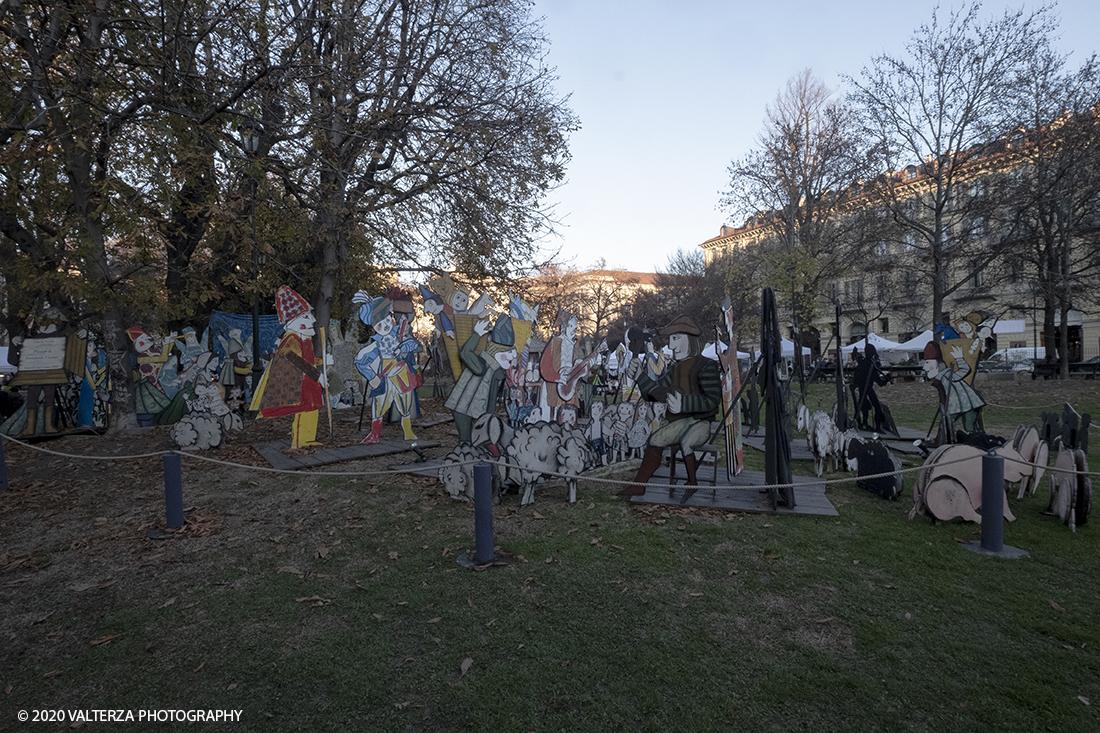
(417, 468)
(90, 458)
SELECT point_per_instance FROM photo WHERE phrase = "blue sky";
(670, 91)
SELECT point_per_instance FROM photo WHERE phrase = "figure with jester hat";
(293, 384)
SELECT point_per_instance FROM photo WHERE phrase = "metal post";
(483, 513)
(173, 490)
(993, 499)
(257, 366)
(3, 466)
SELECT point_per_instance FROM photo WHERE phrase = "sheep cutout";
(871, 458)
(457, 472)
(198, 431)
(548, 449)
(1032, 449)
(950, 483)
(1070, 488)
(820, 436)
(520, 456)
(842, 441)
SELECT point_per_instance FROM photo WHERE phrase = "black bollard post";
(3, 466)
(173, 490)
(483, 513)
(993, 500)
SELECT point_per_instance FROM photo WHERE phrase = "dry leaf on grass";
(465, 666)
(105, 639)
(169, 602)
(1055, 606)
(435, 620)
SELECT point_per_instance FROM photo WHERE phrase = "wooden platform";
(274, 453)
(742, 494)
(799, 451)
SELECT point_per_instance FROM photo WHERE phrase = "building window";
(884, 325)
(977, 278)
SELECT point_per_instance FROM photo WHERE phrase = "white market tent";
(917, 343)
(881, 345)
(711, 351)
(788, 347)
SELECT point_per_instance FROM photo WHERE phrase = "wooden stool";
(710, 449)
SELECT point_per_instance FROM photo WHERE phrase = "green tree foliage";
(392, 135)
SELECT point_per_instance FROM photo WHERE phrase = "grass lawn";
(335, 603)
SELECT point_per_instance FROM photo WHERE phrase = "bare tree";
(807, 156)
(1052, 194)
(930, 112)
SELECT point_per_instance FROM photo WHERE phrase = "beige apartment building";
(880, 294)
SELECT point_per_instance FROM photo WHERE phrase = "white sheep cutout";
(520, 456)
(821, 435)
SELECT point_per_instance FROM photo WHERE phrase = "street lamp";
(250, 142)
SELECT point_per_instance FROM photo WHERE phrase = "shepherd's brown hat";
(682, 324)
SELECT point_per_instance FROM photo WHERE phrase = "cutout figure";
(385, 364)
(959, 401)
(478, 387)
(292, 383)
(691, 388)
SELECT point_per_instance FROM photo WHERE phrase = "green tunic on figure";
(477, 389)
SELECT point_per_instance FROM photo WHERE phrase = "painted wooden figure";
(293, 383)
(691, 388)
(385, 364)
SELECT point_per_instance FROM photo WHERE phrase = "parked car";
(1012, 360)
